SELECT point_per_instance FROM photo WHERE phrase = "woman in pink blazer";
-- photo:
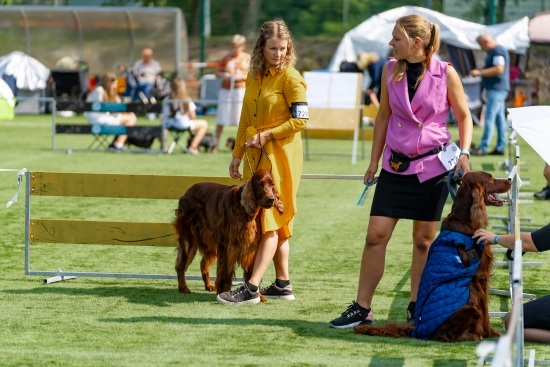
(410, 135)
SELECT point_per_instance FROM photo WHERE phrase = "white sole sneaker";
(252, 301)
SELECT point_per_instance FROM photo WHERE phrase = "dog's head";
(260, 191)
(477, 190)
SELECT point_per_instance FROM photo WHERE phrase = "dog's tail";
(392, 329)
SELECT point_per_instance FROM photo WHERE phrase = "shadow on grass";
(138, 295)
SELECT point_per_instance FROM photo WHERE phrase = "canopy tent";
(374, 34)
(533, 125)
(7, 102)
(538, 28)
(28, 72)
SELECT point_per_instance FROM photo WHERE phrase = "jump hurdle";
(111, 232)
(87, 232)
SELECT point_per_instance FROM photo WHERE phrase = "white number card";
(449, 156)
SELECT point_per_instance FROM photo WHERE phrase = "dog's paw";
(184, 290)
(262, 299)
(210, 287)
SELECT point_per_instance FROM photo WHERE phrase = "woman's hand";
(463, 163)
(484, 235)
(259, 140)
(369, 175)
(234, 168)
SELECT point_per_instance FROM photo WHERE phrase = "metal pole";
(491, 11)
(203, 35)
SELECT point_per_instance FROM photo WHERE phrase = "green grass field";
(141, 322)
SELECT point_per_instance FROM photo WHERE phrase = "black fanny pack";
(400, 162)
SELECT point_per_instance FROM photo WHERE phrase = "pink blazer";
(418, 126)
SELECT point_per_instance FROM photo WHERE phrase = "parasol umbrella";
(28, 72)
(533, 125)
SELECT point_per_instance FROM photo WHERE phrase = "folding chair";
(175, 133)
(177, 136)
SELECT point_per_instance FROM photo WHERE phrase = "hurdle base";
(500, 292)
(59, 278)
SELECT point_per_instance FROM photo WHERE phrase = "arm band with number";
(299, 110)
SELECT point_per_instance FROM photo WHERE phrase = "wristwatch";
(465, 152)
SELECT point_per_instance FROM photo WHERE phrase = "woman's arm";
(506, 240)
(457, 100)
(380, 129)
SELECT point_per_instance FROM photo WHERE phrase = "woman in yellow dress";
(273, 115)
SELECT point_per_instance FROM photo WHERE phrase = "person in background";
(232, 71)
(274, 114)
(181, 114)
(536, 313)
(107, 91)
(544, 194)
(373, 64)
(496, 81)
(146, 71)
(418, 92)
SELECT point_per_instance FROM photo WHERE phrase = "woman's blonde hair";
(110, 94)
(414, 26)
(238, 40)
(179, 89)
(275, 28)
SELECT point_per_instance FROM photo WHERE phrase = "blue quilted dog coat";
(445, 282)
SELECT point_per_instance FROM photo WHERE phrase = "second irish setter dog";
(224, 222)
(471, 321)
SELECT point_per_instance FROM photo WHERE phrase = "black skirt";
(404, 197)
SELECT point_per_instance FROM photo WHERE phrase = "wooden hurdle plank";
(102, 233)
(116, 185)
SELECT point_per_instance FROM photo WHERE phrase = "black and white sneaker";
(410, 312)
(277, 292)
(353, 316)
(239, 296)
(543, 194)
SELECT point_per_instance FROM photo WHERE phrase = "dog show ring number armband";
(299, 110)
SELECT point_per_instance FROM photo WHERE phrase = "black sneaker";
(239, 296)
(543, 194)
(276, 292)
(410, 312)
(497, 152)
(354, 315)
(478, 152)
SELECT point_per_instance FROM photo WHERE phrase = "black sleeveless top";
(414, 70)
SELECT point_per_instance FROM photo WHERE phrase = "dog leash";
(452, 181)
(262, 153)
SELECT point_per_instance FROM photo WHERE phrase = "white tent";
(29, 73)
(7, 102)
(374, 34)
(533, 125)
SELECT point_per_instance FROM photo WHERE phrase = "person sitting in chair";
(181, 114)
(108, 92)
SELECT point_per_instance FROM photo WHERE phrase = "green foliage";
(143, 322)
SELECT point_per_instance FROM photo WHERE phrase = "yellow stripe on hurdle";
(102, 233)
(116, 185)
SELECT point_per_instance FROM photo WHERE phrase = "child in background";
(181, 114)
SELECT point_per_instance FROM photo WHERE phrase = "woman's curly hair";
(275, 28)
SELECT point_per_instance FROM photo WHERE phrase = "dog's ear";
(478, 214)
(248, 200)
(278, 203)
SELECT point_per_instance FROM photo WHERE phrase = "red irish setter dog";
(471, 321)
(224, 222)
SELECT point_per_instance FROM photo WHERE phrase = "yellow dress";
(266, 106)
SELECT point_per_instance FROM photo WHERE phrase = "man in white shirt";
(146, 71)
